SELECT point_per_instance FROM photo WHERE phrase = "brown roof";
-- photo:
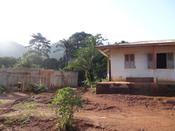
(140, 44)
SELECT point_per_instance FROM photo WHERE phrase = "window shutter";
(150, 61)
(170, 60)
(132, 61)
(126, 61)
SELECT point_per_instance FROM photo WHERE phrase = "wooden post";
(154, 62)
(109, 69)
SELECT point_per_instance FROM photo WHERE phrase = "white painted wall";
(118, 71)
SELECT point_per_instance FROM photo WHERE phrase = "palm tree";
(68, 49)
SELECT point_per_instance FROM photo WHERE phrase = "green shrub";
(66, 101)
(36, 88)
(2, 89)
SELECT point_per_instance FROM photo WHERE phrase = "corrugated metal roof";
(140, 44)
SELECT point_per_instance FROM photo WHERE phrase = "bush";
(2, 89)
(66, 101)
(36, 88)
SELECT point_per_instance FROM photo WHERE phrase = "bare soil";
(108, 112)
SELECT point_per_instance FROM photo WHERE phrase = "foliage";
(36, 88)
(40, 44)
(1, 102)
(51, 63)
(6, 62)
(30, 59)
(90, 61)
(74, 42)
(2, 89)
(121, 42)
(67, 101)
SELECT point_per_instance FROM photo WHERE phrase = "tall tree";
(40, 44)
(88, 59)
(68, 49)
(74, 42)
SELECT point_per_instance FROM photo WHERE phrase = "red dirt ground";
(108, 112)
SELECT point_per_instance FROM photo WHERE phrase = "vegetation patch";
(2, 89)
(26, 105)
(36, 88)
(17, 119)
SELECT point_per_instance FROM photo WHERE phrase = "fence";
(52, 79)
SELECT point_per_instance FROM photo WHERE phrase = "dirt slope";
(114, 112)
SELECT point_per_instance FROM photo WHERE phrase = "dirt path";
(117, 115)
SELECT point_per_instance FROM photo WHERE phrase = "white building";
(145, 59)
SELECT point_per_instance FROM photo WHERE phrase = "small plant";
(36, 88)
(1, 102)
(66, 101)
(2, 89)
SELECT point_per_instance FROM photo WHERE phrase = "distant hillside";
(16, 50)
(11, 49)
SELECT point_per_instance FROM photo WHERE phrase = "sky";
(116, 20)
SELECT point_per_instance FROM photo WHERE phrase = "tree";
(66, 101)
(40, 44)
(51, 63)
(68, 50)
(121, 42)
(30, 59)
(74, 42)
(79, 39)
(88, 60)
(6, 62)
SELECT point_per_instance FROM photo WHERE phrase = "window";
(163, 61)
(129, 61)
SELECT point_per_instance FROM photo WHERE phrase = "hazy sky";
(130, 20)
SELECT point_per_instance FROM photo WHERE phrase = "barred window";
(130, 61)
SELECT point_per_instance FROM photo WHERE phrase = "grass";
(1, 102)
(26, 105)
(30, 105)
(17, 119)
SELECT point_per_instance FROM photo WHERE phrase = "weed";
(26, 105)
(1, 102)
(18, 119)
(2, 89)
(30, 105)
(36, 88)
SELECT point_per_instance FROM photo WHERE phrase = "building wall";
(50, 78)
(118, 71)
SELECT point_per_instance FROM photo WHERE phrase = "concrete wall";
(50, 78)
(118, 71)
